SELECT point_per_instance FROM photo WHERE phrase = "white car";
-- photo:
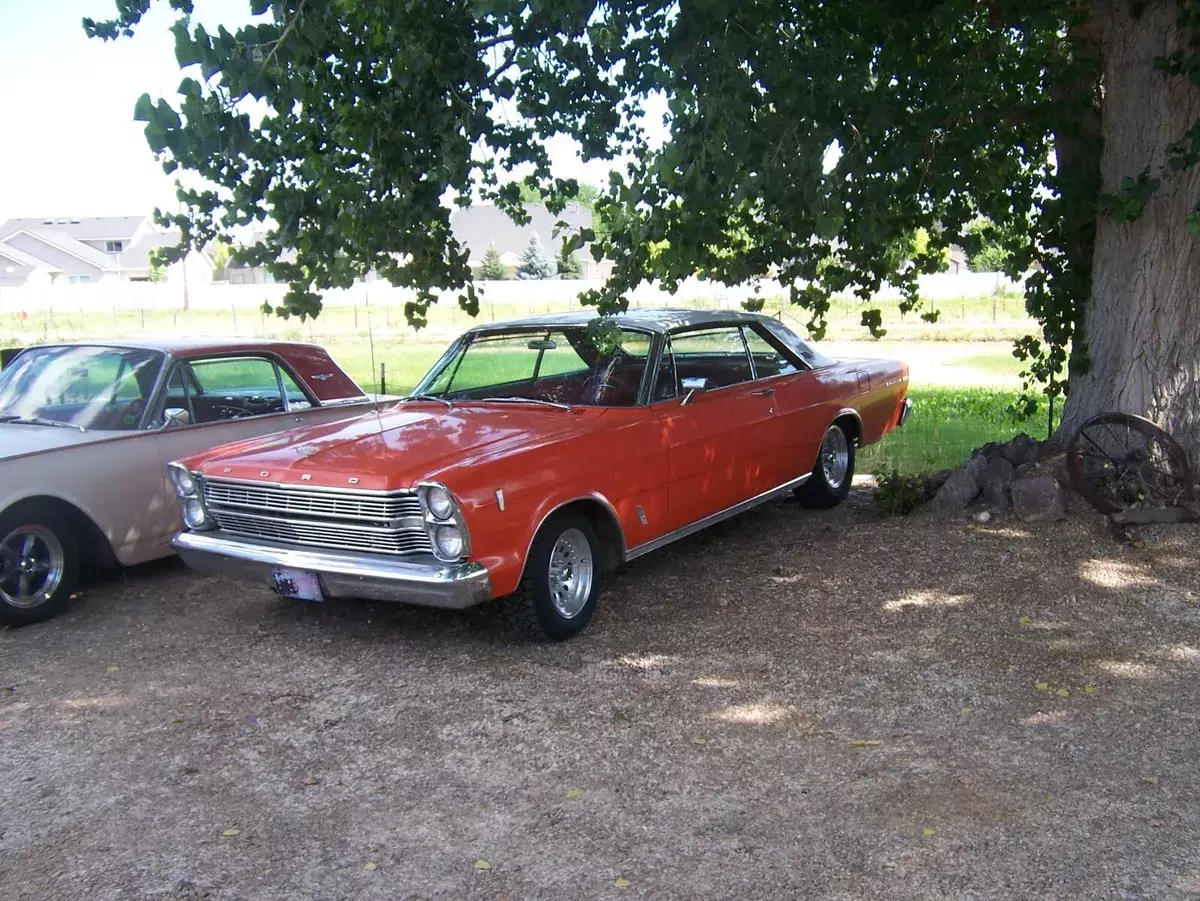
(86, 431)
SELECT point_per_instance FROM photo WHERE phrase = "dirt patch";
(791, 705)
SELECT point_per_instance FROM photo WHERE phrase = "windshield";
(557, 365)
(88, 387)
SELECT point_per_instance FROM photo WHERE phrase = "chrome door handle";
(762, 392)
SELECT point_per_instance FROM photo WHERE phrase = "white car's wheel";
(39, 564)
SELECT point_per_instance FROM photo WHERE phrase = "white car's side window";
(228, 388)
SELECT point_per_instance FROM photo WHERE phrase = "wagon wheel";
(1118, 462)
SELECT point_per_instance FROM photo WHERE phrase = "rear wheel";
(39, 564)
(830, 480)
(557, 595)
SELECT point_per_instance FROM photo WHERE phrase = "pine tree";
(493, 268)
(569, 265)
(535, 263)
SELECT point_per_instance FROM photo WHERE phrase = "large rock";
(996, 482)
(962, 487)
(1039, 499)
(1022, 450)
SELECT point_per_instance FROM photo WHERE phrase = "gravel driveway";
(792, 705)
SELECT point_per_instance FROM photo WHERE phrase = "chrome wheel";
(835, 457)
(32, 563)
(570, 575)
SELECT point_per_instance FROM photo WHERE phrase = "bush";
(897, 494)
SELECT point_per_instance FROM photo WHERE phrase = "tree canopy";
(805, 140)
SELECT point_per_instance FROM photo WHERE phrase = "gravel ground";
(791, 705)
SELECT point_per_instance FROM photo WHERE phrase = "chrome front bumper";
(421, 580)
(905, 410)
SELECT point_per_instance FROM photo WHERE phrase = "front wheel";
(830, 480)
(39, 564)
(557, 595)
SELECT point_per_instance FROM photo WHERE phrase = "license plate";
(294, 583)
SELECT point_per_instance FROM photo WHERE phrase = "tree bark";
(1142, 320)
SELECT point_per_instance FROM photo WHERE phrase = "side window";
(666, 385)
(234, 388)
(296, 398)
(768, 360)
(717, 354)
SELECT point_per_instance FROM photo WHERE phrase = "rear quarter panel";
(874, 389)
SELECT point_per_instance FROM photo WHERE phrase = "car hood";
(393, 448)
(22, 440)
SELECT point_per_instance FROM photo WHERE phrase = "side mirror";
(691, 386)
(174, 417)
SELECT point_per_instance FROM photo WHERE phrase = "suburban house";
(80, 250)
(477, 227)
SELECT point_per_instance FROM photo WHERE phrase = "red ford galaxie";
(534, 456)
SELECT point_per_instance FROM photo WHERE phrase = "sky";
(68, 143)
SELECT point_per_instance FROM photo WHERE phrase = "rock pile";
(1025, 474)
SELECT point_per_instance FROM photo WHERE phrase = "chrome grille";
(375, 523)
(305, 502)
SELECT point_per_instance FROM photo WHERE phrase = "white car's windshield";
(84, 387)
(563, 365)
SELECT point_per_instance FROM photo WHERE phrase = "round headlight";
(194, 514)
(449, 541)
(185, 485)
(441, 504)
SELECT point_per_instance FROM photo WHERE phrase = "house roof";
(475, 227)
(102, 261)
(21, 258)
(81, 228)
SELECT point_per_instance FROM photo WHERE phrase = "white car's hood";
(19, 440)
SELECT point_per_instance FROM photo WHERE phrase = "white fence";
(115, 296)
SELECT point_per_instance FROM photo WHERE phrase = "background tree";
(221, 254)
(991, 255)
(569, 265)
(158, 268)
(535, 262)
(493, 268)
(805, 139)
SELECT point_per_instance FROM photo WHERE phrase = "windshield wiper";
(525, 400)
(38, 420)
(440, 400)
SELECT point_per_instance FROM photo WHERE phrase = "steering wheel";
(224, 411)
(595, 386)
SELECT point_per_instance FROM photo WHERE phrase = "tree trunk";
(1142, 321)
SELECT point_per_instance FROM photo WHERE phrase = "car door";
(227, 399)
(718, 439)
(799, 403)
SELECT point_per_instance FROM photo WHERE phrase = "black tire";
(819, 492)
(49, 527)
(531, 610)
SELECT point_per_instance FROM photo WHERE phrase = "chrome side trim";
(424, 580)
(715, 518)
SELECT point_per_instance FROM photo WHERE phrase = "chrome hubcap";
(835, 457)
(31, 566)
(570, 575)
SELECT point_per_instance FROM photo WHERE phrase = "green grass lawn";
(946, 424)
(964, 376)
